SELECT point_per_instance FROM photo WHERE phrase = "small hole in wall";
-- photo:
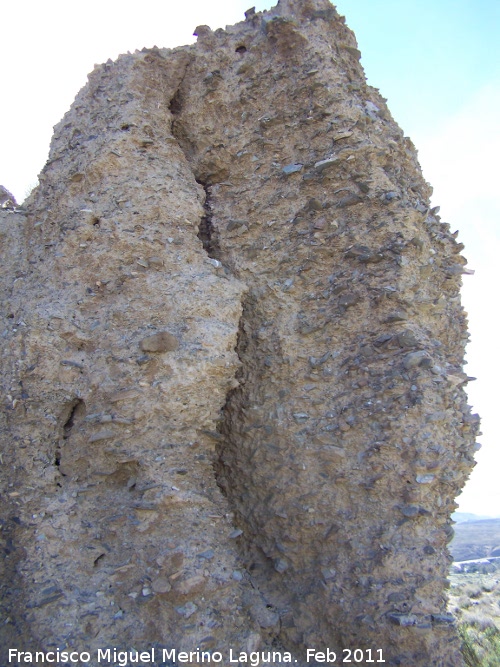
(76, 411)
(241, 49)
(57, 462)
(125, 127)
(98, 560)
(176, 103)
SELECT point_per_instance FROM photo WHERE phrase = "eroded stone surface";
(230, 264)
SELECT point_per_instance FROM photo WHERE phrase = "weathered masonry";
(232, 379)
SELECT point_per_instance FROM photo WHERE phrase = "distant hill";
(476, 539)
(460, 517)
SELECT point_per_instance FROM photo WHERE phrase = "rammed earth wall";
(232, 374)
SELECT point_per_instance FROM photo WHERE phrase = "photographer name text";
(169, 656)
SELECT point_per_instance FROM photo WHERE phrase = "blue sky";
(426, 56)
(436, 61)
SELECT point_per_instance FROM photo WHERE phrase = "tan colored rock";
(161, 585)
(159, 342)
(253, 198)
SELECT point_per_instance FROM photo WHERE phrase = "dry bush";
(478, 620)
(489, 586)
(473, 591)
(463, 602)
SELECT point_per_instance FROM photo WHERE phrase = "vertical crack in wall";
(206, 230)
(232, 457)
(231, 413)
(175, 105)
(230, 410)
(75, 411)
(258, 565)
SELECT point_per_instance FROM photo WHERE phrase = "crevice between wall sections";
(224, 425)
(206, 230)
(260, 567)
(231, 413)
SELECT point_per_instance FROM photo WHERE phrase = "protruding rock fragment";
(414, 359)
(292, 168)
(7, 199)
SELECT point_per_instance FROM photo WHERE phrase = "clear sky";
(437, 62)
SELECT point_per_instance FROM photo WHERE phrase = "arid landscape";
(475, 590)
(476, 539)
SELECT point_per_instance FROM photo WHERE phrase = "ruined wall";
(232, 375)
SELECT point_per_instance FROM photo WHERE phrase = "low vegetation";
(475, 601)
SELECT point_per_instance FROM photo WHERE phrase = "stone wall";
(232, 378)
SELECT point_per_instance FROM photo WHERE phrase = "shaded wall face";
(240, 309)
(349, 435)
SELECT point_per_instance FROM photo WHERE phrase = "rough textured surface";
(232, 368)
(7, 199)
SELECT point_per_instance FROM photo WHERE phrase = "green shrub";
(480, 647)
